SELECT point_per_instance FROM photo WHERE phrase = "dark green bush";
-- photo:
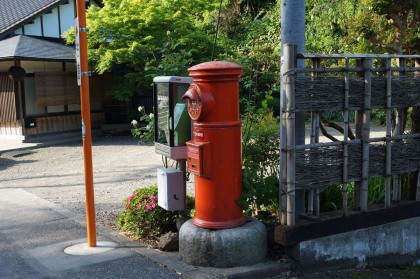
(331, 198)
(260, 155)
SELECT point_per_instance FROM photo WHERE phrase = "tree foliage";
(251, 37)
(327, 24)
(367, 26)
(139, 39)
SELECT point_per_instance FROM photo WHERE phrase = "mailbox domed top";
(219, 70)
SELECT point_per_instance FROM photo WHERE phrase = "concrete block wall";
(392, 243)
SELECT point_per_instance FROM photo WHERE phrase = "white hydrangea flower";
(140, 108)
(151, 115)
(134, 122)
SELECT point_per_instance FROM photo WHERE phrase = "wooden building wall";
(10, 127)
(50, 89)
(11, 131)
(7, 99)
(63, 123)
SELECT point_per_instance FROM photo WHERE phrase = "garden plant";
(143, 219)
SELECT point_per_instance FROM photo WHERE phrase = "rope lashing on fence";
(283, 193)
(291, 150)
(288, 111)
(290, 72)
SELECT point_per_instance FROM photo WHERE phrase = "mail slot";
(197, 154)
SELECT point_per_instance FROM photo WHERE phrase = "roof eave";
(35, 59)
(28, 19)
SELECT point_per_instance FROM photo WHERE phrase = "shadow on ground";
(6, 163)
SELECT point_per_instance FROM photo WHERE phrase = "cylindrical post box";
(214, 155)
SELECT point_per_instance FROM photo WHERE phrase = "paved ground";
(42, 205)
(34, 234)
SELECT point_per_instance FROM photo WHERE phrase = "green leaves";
(260, 154)
(132, 34)
(144, 218)
(145, 128)
(368, 26)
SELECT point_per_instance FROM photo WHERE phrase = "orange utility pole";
(83, 81)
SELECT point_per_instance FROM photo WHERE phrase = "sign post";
(77, 46)
(83, 82)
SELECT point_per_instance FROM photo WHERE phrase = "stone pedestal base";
(240, 246)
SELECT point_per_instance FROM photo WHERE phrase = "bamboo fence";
(359, 88)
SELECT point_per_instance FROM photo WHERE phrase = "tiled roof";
(29, 48)
(14, 13)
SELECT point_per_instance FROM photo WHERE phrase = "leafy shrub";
(378, 116)
(260, 152)
(332, 196)
(144, 218)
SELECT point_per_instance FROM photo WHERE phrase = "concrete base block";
(392, 243)
(240, 246)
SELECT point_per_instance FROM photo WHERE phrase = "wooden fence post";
(358, 119)
(313, 194)
(367, 65)
(417, 65)
(399, 130)
(288, 78)
(388, 152)
(346, 138)
(283, 151)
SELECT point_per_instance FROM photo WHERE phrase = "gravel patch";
(56, 173)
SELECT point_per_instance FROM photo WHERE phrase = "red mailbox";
(214, 155)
